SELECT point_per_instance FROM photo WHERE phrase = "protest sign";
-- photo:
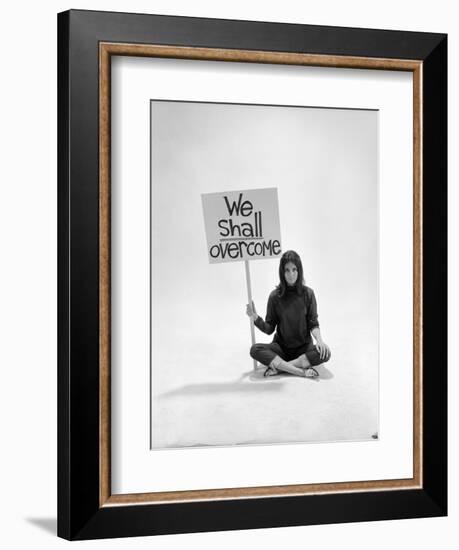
(242, 225)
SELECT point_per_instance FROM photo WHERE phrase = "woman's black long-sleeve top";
(293, 316)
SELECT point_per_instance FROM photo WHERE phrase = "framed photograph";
(252, 275)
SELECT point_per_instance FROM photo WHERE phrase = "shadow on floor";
(238, 386)
(272, 383)
(258, 375)
(235, 386)
(45, 524)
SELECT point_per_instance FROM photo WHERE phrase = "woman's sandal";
(310, 372)
(270, 371)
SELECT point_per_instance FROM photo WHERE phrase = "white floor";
(227, 402)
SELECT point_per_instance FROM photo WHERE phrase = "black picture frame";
(80, 512)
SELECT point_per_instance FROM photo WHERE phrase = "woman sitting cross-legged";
(292, 312)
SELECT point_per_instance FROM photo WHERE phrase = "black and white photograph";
(264, 274)
(229, 249)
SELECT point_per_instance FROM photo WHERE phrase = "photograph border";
(87, 41)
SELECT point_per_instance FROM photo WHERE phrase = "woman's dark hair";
(290, 256)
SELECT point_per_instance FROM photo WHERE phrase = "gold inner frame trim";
(106, 50)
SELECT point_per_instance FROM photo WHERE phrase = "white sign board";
(242, 225)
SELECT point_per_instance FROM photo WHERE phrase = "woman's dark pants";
(265, 353)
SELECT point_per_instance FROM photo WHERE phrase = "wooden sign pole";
(249, 294)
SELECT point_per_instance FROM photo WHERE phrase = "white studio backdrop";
(324, 165)
(28, 276)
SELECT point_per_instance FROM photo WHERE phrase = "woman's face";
(290, 273)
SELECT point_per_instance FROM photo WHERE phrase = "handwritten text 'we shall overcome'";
(241, 233)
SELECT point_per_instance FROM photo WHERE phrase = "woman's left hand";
(323, 350)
